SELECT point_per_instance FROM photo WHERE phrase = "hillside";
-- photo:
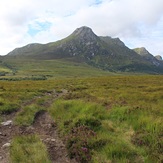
(83, 46)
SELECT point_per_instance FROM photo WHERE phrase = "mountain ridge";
(158, 57)
(83, 45)
(147, 55)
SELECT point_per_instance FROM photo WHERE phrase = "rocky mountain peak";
(148, 56)
(142, 51)
(102, 52)
(85, 33)
(118, 42)
(158, 57)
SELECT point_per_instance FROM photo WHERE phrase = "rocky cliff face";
(82, 42)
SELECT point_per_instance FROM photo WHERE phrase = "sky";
(138, 23)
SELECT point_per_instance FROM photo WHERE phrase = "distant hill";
(83, 45)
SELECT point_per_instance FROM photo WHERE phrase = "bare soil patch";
(7, 132)
(47, 129)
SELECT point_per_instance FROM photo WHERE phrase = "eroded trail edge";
(43, 125)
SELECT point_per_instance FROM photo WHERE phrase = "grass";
(78, 125)
(89, 126)
(132, 125)
(26, 68)
(28, 149)
(7, 107)
(102, 119)
(26, 116)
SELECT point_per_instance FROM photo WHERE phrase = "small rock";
(6, 145)
(7, 123)
(1, 133)
(53, 140)
(49, 125)
(48, 139)
(30, 128)
(1, 157)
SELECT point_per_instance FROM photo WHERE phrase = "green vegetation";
(101, 119)
(28, 69)
(28, 149)
(79, 125)
(7, 107)
(26, 116)
(83, 46)
(120, 135)
(101, 114)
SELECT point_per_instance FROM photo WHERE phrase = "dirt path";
(46, 128)
(43, 125)
(7, 132)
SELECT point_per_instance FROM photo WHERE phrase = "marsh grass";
(129, 113)
(28, 149)
(7, 107)
(109, 138)
(27, 115)
(124, 113)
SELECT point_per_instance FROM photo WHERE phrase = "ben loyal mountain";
(84, 46)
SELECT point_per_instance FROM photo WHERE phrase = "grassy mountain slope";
(83, 46)
(58, 68)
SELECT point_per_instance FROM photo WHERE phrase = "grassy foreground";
(104, 119)
(28, 149)
(122, 134)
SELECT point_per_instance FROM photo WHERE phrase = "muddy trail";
(43, 125)
(7, 131)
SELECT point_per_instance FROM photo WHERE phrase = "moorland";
(82, 99)
(100, 116)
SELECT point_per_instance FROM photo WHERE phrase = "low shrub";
(78, 144)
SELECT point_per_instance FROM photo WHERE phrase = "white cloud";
(137, 22)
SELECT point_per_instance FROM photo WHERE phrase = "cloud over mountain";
(136, 22)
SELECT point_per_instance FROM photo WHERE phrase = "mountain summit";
(158, 57)
(143, 52)
(147, 55)
(85, 33)
(83, 45)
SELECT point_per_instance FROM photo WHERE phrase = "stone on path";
(6, 145)
(7, 123)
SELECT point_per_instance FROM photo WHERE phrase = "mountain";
(83, 45)
(147, 56)
(158, 57)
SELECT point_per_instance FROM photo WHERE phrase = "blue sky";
(38, 27)
(138, 23)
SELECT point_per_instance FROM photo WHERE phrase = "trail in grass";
(7, 132)
(43, 126)
(46, 128)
